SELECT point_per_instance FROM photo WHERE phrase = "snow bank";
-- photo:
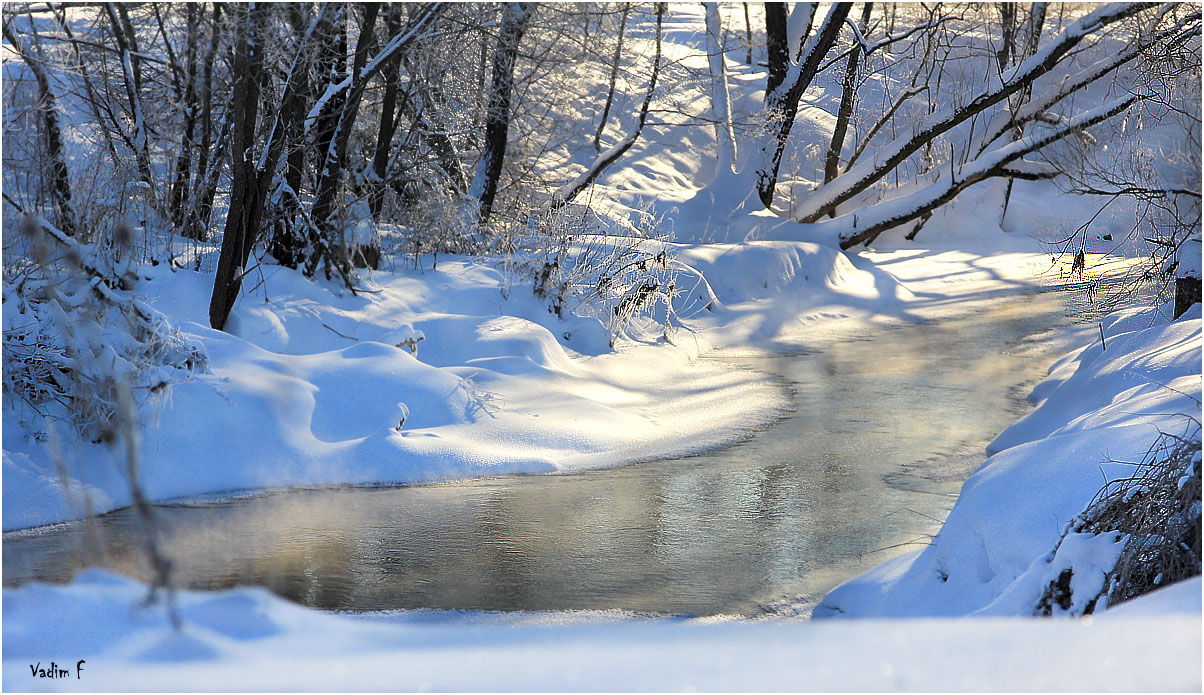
(436, 374)
(249, 640)
(1099, 412)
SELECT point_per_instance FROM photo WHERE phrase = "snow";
(249, 640)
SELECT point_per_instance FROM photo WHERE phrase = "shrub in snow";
(1154, 519)
(74, 331)
(598, 265)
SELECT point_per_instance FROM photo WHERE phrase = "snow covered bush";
(74, 331)
(1155, 516)
(600, 265)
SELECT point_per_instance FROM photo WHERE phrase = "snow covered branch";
(824, 199)
(864, 225)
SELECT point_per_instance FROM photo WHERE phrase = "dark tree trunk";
(782, 103)
(388, 107)
(334, 158)
(747, 35)
(246, 205)
(776, 43)
(832, 162)
(180, 185)
(201, 207)
(54, 139)
(614, 75)
(287, 246)
(497, 116)
(1007, 43)
(1187, 293)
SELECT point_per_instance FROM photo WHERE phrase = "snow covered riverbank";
(313, 386)
(1100, 410)
(247, 639)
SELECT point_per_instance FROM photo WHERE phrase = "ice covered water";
(886, 427)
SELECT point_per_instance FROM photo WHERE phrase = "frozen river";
(886, 427)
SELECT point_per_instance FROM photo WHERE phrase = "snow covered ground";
(249, 640)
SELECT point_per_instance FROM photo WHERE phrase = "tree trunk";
(334, 159)
(242, 219)
(721, 108)
(747, 35)
(388, 124)
(614, 74)
(201, 206)
(782, 102)
(190, 109)
(777, 46)
(832, 162)
(497, 118)
(54, 138)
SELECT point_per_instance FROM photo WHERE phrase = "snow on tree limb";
(1070, 84)
(865, 224)
(825, 198)
(425, 16)
(782, 101)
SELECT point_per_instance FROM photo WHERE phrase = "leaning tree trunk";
(497, 116)
(782, 101)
